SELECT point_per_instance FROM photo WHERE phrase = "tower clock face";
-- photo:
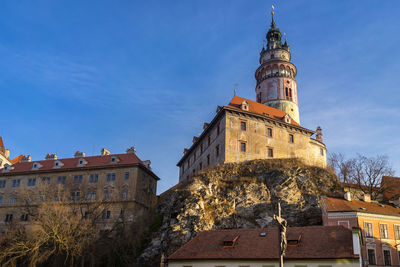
(283, 56)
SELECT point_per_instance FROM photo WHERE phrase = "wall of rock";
(239, 195)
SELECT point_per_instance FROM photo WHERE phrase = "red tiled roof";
(391, 187)
(258, 108)
(17, 159)
(316, 242)
(72, 163)
(340, 204)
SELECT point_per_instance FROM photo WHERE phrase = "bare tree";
(365, 172)
(59, 231)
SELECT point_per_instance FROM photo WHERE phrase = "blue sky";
(83, 75)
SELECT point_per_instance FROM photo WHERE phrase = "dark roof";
(391, 188)
(315, 242)
(72, 164)
(343, 205)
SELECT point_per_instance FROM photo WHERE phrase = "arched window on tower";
(288, 94)
(259, 97)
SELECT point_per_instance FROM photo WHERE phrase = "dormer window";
(82, 162)
(287, 118)
(58, 164)
(114, 159)
(245, 105)
(36, 166)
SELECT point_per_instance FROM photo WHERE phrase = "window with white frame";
(383, 230)
(371, 256)
(368, 230)
(397, 232)
(387, 257)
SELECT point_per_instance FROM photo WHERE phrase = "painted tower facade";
(276, 76)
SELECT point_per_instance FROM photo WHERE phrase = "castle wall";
(258, 142)
(204, 153)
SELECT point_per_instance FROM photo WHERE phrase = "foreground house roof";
(343, 205)
(313, 242)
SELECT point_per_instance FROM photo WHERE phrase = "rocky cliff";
(242, 195)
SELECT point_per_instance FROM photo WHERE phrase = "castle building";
(124, 183)
(263, 129)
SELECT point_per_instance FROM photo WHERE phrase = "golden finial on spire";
(234, 90)
(273, 12)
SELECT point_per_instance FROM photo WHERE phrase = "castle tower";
(276, 76)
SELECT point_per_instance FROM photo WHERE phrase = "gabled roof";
(259, 109)
(316, 242)
(391, 187)
(73, 164)
(17, 159)
(343, 205)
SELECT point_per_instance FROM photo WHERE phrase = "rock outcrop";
(242, 195)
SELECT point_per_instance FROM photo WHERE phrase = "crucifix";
(282, 234)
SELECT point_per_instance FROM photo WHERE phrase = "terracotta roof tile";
(316, 242)
(258, 108)
(72, 163)
(391, 187)
(17, 159)
(340, 204)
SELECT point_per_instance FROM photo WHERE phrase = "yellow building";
(125, 183)
(266, 128)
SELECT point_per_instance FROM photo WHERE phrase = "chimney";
(195, 139)
(205, 125)
(26, 158)
(185, 150)
(219, 108)
(147, 163)
(7, 153)
(51, 157)
(319, 134)
(105, 152)
(347, 196)
(131, 150)
(79, 154)
(367, 198)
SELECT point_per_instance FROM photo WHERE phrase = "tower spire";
(273, 24)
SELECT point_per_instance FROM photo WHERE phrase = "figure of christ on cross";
(282, 234)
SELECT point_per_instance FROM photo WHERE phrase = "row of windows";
(387, 256)
(93, 178)
(202, 147)
(383, 230)
(75, 196)
(106, 214)
(243, 127)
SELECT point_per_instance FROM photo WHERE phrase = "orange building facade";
(379, 223)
